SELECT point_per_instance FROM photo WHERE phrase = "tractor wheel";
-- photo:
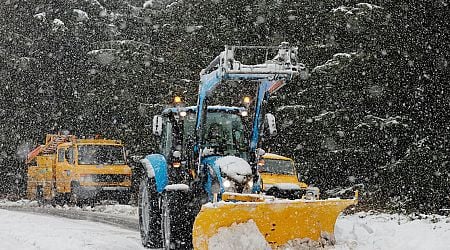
(150, 214)
(165, 225)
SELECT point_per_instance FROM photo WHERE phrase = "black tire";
(73, 197)
(149, 214)
(273, 191)
(165, 222)
(40, 195)
(178, 212)
(124, 198)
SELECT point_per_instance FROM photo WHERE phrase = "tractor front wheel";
(149, 214)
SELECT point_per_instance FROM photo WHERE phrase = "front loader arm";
(271, 75)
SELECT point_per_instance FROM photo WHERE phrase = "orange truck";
(67, 168)
(280, 178)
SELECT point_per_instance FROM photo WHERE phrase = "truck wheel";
(149, 214)
(124, 198)
(274, 191)
(73, 198)
(40, 195)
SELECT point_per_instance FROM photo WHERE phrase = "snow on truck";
(67, 168)
(205, 175)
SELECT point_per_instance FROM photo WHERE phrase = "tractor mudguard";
(155, 166)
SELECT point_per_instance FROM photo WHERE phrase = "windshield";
(277, 166)
(223, 130)
(100, 154)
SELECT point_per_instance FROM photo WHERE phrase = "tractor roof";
(193, 109)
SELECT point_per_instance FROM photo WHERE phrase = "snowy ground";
(20, 230)
(383, 231)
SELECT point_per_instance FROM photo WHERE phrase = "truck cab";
(280, 178)
(79, 169)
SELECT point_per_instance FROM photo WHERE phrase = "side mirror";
(270, 119)
(157, 125)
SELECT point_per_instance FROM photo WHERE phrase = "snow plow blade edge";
(278, 221)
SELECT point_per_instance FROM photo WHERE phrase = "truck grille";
(109, 177)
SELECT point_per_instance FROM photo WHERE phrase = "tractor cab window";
(277, 166)
(226, 132)
(166, 138)
(101, 155)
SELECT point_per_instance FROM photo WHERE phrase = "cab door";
(65, 169)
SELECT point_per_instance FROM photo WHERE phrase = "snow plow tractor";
(205, 175)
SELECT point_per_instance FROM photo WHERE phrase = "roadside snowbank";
(384, 231)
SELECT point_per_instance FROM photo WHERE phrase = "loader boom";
(270, 75)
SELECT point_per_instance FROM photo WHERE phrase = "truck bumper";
(88, 192)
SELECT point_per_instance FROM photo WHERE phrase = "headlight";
(250, 184)
(226, 184)
(86, 178)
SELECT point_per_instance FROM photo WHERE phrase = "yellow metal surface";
(55, 176)
(271, 179)
(242, 197)
(278, 221)
(41, 174)
(276, 157)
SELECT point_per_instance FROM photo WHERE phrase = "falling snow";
(368, 113)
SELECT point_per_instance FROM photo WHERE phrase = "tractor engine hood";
(232, 167)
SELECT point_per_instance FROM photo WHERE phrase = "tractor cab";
(224, 131)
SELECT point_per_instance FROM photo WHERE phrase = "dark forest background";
(372, 114)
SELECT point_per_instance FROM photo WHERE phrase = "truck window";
(69, 155)
(277, 166)
(101, 154)
(61, 155)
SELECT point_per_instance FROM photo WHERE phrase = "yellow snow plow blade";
(279, 221)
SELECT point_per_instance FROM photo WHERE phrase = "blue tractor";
(208, 156)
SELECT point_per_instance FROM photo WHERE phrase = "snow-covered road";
(19, 230)
(366, 231)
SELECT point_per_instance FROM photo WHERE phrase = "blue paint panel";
(159, 165)
(208, 83)
(257, 186)
(257, 119)
(211, 161)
